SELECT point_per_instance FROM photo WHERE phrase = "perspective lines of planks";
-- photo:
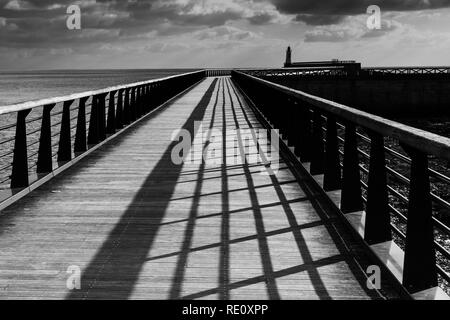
(139, 226)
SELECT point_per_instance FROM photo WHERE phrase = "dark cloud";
(40, 23)
(325, 12)
(319, 19)
(261, 18)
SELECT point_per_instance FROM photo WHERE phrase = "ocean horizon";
(22, 86)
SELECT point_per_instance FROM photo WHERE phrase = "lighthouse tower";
(288, 62)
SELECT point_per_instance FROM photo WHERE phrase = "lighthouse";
(288, 62)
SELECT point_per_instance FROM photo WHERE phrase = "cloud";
(43, 22)
(261, 18)
(326, 12)
(319, 19)
(353, 29)
(225, 33)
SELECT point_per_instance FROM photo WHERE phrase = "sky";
(34, 34)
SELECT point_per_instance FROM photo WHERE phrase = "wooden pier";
(139, 226)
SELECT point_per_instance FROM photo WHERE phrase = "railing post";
(148, 101)
(19, 176)
(65, 143)
(151, 97)
(332, 175)
(93, 134)
(419, 269)
(45, 162)
(351, 196)
(141, 96)
(292, 122)
(137, 103)
(119, 110)
(144, 99)
(126, 108)
(111, 126)
(317, 155)
(133, 105)
(102, 117)
(303, 149)
(378, 220)
(80, 136)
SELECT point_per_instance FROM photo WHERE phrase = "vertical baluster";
(144, 100)
(111, 127)
(317, 155)
(80, 136)
(150, 99)
(19, 176)
(44, 162)
(144, 105)
(139, 104)
(65, 143)
(160, 93)
(351, 197)
(280, 102)
(126, 109)
(102, 117)
(119, 112)
(304, 148)
(93, 122)
(292, 122)
(332, 170)
(153, 96)
(420, 271)
(131, 105)
(378, 227)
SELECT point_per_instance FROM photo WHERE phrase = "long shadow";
(180, 270)
(115, 268)
(334, 229)
(314, 275)
(224, 261)
(269, 275)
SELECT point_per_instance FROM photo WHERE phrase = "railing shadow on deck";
(329, 138)
(113, 273)
(120, 267)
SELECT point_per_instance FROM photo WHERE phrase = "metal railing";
(38, 136)
(407, 70)
(218, 72)
(398, 174)
(344, 71)
(334, 71)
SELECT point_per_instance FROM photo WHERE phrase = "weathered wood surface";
(141, 227)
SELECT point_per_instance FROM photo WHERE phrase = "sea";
(17, 87)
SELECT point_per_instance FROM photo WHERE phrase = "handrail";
(41, 102)
(426, 141)
(109, 110)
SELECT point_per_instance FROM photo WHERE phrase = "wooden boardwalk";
(141, 227)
